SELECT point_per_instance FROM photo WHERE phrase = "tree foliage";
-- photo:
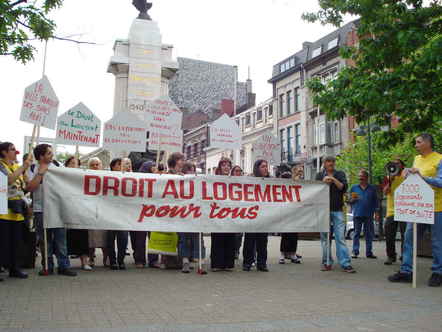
(398, 64)
(22, 21)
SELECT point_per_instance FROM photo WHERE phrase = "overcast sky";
(255, 33)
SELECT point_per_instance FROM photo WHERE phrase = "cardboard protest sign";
(3, 194)
(175, 203)
(414, 201)
(40, 104)
(163, 243)
(164, 120)
(225, 134)
(125, 132)
(78, 126)
(267, 147)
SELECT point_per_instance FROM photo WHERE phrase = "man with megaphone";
(393, 179)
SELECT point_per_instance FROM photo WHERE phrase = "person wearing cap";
(337, 182)
(56, 237)
(11, 224)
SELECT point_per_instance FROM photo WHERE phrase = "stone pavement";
(290, 297)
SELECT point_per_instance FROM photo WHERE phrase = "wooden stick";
(77, 152)
(414, 254)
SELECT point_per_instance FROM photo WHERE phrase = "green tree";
(21, 22)
(398, 64)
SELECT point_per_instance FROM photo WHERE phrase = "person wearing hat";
(11, 224)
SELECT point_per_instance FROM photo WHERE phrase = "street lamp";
(366, 131)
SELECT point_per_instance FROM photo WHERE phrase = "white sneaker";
(86, 267)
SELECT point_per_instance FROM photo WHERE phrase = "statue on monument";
(143, 6)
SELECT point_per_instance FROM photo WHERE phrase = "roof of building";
(310, 51)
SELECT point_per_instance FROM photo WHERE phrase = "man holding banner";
(428, 164)
(56, 243)
(338, 186)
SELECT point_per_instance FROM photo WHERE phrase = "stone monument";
(142, 64)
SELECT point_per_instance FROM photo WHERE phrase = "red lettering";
(297, 193)
(191, 190)
(276, 193)
(162, 211)
(150, 183)
(170, 189)
(132, 186)
(110, 183)
(260, 196)
(213, 207)
(237, 212)
(253, 212)
(96, 185)
(287, 194)
(237, 194)
(216, 195)
(147, 211)
(248, 194)
(204, 192)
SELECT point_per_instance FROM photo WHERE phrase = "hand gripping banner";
(85, 199)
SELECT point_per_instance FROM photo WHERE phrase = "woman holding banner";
(237, 171)
(78, 239)
(97, 238)
(138, 238)
(188, 246)
(122, 237)
(256, 240)
(11, 224)
(222, 252)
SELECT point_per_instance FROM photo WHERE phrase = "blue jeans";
(368, 224)
(188, 245)
(57, 244)
(436, 245)
(337, 227)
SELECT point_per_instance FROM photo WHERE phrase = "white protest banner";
(40, 104)
(124, 132)
(3, 194)
(267, 147)
(225, 134)
(78, 126)
(172, 203)
(414, 201)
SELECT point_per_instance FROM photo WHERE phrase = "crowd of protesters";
(25, 203)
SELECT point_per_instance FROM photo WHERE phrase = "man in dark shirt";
(338, 186)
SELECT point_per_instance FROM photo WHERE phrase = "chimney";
(306, 45)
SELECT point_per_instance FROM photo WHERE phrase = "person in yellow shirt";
(391, 225)
(428, 164)
(11, 224)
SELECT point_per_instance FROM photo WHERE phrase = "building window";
(243, 123)
(337, 133)
(195, 150)
(189, 151)
(270, 111)
(332, 43)
(329, 75)
(292, 62)
(203, 145)
(297, 139)
(253, 119)
(282, 67)
(283, 146)
(237, 122)
(289, 144)
(259, 115)
(281, 105)
(296, 98)
(288, 101)
(317, 51)
(248, 120)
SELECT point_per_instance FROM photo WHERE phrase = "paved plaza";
(290, 297)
